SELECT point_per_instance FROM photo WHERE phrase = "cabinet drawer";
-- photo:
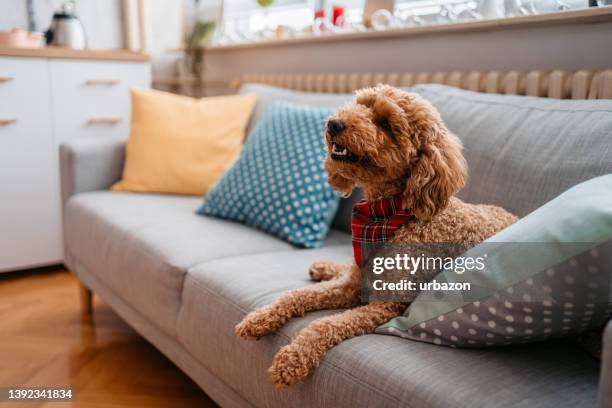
(30, 216)
(92, 97)
(24, 86)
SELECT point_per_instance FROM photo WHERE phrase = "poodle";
(391, 143)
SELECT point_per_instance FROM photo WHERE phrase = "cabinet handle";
(6, 122)
(6, 79)
(104, 120)
(102, 82)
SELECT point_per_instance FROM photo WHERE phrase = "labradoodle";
(392, 144)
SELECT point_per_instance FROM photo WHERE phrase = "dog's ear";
(338, 182)
(366, 96)
(438, 173)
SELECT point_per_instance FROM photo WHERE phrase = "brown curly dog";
(388, 142)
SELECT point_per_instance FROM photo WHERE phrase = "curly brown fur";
(325, 270)
(339, 292)
(294, 362)
(386, 141)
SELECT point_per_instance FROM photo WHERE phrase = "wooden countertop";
(67, 53)
(581, 16)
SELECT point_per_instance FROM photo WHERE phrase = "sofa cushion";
(524, 151)
(367, 371)
(546, 276)
(141, 244)
(267, 95)
(279, 184)
(182, 145)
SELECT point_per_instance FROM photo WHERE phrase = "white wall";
(166, 33)
(567, 46)
(103, 22)
(170, 20)
(101, 18)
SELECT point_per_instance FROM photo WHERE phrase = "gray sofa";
(183, 281)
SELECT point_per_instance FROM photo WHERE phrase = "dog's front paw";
(246, 331)
(255, 325)
(322, 271)
(290, 366)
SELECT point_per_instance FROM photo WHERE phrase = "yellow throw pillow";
(182, 145)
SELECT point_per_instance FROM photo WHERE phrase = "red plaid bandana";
(375, 223)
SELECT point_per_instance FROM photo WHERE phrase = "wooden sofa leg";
(86, 297)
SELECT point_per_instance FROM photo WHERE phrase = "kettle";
(66, 29)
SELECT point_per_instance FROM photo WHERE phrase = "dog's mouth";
(341, 153)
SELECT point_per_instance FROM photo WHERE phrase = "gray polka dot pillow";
(547, 276)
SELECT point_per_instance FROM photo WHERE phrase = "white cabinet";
(90, 98)
(44, 102)
(29, 199)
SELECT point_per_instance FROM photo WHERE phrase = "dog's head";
(391, 141)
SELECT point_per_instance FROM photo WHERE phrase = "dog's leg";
(325, 270)
(340, 292)
(294, 362)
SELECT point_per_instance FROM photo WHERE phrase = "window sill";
(583, 16)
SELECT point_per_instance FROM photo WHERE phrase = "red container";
(337, 14)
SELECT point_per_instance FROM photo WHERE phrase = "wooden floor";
(45, 342)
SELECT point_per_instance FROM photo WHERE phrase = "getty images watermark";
(33, 394)
(401, 271)
(410, 265)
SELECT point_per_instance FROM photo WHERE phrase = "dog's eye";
(385, 125)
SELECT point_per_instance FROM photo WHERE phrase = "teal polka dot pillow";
(279, 184)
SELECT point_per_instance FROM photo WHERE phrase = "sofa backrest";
(521, 151)
(266, 95)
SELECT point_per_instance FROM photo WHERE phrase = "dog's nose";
(334, 127)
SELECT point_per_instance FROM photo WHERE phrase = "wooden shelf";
(67, 53)
(583, 16)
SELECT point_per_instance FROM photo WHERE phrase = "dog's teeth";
(336, 150)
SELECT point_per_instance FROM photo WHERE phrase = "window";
(245, 20)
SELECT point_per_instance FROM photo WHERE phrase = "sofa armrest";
(605, 379)
(90, 163)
